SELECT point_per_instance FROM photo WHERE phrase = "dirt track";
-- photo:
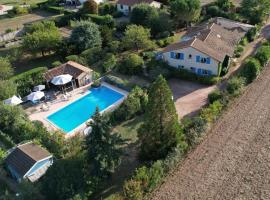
(233, 162)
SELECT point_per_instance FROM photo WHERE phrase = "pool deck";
(36, 112)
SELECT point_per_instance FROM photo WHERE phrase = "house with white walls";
(126, 6)
(204, 48)
(79, 3)
(4, 9)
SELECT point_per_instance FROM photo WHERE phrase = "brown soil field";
(233, 161)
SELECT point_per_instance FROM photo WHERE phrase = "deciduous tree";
(137, 37)
(186, 10)
(90, 7)
(42, 37)
(85, 35)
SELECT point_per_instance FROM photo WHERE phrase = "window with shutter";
(198, 58)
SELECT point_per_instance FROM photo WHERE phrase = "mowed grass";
(20, 2)
(28, 63)
(129, 129)
(19, 21)
(129, 132)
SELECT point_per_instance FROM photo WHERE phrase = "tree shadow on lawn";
(129, 164)
(130, 161)
(31, 63)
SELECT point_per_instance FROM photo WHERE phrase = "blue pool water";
(78, 112)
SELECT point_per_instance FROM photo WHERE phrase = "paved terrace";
(37, 113)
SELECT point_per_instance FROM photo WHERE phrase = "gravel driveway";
(233, 162)
(189, 97)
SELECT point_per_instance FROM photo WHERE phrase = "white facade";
(192, 60)
(4, 9)
(125, 9)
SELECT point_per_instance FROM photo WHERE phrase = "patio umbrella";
(61, 79)
(13, 101)
(34, 96)
(39, 88)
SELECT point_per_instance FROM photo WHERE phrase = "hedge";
(187, 75)
(27, 80)
(118, 82)
(101, 20)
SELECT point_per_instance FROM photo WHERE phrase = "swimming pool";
(78, 112)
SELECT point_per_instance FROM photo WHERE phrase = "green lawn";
(128, 131)
(27, 64)
(20, 2)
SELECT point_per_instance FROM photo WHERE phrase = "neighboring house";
(230, 24)
(4, 9)
(81, 75)
(28, 161)
(126, 6)
(81, 2)
(204, 48)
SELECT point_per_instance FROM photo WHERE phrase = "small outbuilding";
(81, 75)
(28, 161)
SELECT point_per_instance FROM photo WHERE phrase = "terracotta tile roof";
(24, 156)
(210, 39)
(133, 2)
(72, 68)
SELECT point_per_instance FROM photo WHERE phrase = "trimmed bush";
(107, 9)
(96, 84)
(133, 105)
(193, 129)
(56, 63)
(132, 64)
(212, 112)
(76, 58)
(187, 75)
(251, 34)
(132, 190)
(118, 82)
(235, 86)
(55, 9)
(92, 55)
(238, 51)
(109, 62)
(263, 55)
(101, 20)
(251, 69)
(214, 96)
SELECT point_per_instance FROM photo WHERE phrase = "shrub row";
(133, 105)
(101, 20)
(27, 80)
(125, 85)
(186, 75)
